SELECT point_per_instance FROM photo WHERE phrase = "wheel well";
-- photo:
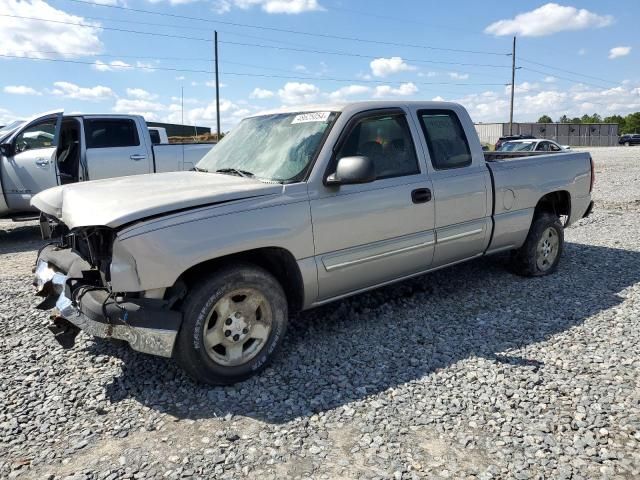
(557, 203)
(277, 261)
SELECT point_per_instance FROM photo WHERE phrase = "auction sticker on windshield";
(311, 117)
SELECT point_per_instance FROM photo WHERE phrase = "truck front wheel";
(541, 251)
(233, 322)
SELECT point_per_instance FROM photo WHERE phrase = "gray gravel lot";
(470, 372)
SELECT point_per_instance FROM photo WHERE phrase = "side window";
(553, 147)
(387, 141)
(155, 136)
(542, 147)
(446, 140)
(39, 135)
(107, 133)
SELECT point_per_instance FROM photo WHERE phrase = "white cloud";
(7, 116)
(427, 74)
(548, 19)
(459, 76)
(71, 90)
(616, 52)
(173, 2)
(180, 78)
(531, 103)
(403, 90)
(128, 105)
(524, 87)
(140, 94)
(25, 37)
(261, 93)
(381, 67)
(146, 66)
(290, 7)
(111, 66)
(230, 114)
(294, 93)
(344, 93)
(20, 90)
(549, 79)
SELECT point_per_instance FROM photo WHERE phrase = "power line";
(247, 74)
(564, 78)
(350, 54)
(295, 32)
(100, 27)
(256, 45)
(184, 37)
(566, 71)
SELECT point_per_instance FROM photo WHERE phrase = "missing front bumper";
(145, 323)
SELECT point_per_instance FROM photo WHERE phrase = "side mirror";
(6, 149)
(352, 170)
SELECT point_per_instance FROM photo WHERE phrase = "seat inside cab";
(68, 155)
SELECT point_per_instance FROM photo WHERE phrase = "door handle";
(421, 195)
(137, 157)
(42, 162)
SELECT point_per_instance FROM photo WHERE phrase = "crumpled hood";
(116, 201)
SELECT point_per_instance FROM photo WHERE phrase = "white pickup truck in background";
(54, 149)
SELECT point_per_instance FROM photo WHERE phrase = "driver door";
(30, 166)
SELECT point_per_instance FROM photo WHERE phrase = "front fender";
(155, 255)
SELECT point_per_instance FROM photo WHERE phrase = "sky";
(138, 56)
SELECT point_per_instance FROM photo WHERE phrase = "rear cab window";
(109, 133)
(446, 140)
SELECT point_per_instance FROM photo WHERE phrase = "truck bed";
(520, 181)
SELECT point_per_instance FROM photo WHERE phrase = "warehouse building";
(573, 134)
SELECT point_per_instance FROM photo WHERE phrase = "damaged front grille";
(93, 244)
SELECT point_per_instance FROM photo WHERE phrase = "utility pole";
(215, 39)
(513, 84)
(182, 103)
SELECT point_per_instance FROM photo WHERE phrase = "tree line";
(628, 124)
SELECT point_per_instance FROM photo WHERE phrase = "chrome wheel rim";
(547, 249)
(237, 327)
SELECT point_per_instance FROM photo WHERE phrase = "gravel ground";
(470, 372)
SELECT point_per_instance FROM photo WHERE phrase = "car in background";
(53, 149)
(508, 138)
(629, 139)
(533, 145)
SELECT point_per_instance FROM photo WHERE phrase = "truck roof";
(357, 106)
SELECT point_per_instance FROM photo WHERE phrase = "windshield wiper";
(196, 169)
(235, 171)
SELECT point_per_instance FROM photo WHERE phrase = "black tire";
(526, 260)
(190, 350)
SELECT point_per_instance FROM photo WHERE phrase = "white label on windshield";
(311, 117)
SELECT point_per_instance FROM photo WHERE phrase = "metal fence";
(574, 134)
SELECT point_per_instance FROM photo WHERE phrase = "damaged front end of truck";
(73, 276)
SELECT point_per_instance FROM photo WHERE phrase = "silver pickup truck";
(291, 210)
(54, 149)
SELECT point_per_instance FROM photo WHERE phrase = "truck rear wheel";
(542, 249)
(234, 321)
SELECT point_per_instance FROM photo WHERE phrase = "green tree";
(576, 120)
(545, 119)
(619, 119)
(632, 123)
(595, 118)
(565, 119)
